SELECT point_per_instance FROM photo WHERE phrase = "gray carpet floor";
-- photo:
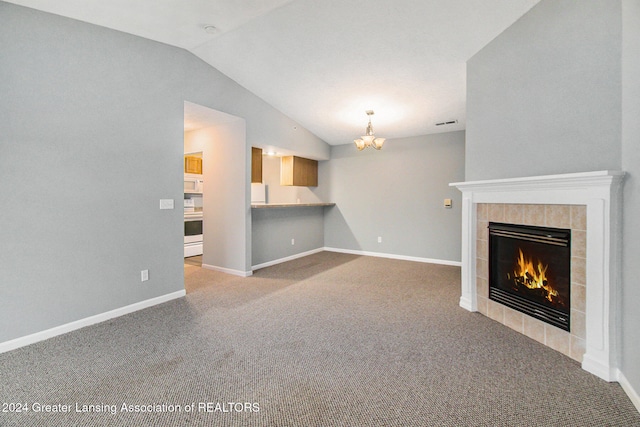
(326, 340)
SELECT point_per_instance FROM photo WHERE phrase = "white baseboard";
(466, 304)
(285, 259)
(394, 256)
(228, 270)
(599, 367)
(87, 321)
(628, 388)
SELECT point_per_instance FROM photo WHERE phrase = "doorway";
(219, 139)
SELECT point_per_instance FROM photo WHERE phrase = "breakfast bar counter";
(289, 205)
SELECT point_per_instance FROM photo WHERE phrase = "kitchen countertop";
(288, 205)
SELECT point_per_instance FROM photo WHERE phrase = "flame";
(533, 277)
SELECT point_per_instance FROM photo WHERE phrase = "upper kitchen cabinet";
(193, 164)
(256, 165)
(298, 171)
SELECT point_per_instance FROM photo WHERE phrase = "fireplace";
(530, 271)
(589, 204)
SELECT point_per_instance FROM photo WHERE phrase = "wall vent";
(450, 122)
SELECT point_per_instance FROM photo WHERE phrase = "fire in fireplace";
(529, 270)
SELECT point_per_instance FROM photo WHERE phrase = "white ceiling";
(323, 63)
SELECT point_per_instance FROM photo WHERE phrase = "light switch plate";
(166, 203)
(447, 203)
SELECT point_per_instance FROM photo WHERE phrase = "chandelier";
(369, 139)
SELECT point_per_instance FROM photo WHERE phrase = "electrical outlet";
(293, 242)
(144, 275)
(379, 239)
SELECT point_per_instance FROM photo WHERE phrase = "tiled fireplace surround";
(557, 216)
(587, 203)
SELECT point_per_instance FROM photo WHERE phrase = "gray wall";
(555, 93)
(273, 229)
(544, 97)
(631, 215)
(92, 138)
(398, 194)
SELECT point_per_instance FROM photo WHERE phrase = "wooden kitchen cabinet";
(298, 171)
(256, 165)
(193, 164)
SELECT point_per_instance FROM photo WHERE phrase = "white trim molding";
(285, 259)
(356, 252)
(628, 388)
(87, 321)
(228, 270)
(394, 256)
(600, 191)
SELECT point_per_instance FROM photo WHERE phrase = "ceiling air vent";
(450, 122)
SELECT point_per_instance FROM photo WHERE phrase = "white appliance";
(193, 184)
(193, 236)
(189, 205)
(258, 193)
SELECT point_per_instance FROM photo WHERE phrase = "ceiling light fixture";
(369, 139)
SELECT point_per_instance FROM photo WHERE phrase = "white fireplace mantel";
(600, 191)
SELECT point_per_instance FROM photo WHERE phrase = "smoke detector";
(210, 29)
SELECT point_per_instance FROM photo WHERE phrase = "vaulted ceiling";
(323, 63)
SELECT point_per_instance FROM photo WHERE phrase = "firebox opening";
(529, 271)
